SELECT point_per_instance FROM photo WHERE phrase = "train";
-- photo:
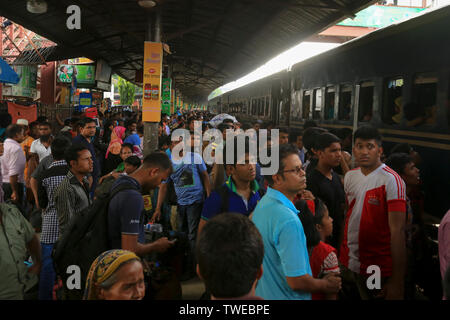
(396, 78)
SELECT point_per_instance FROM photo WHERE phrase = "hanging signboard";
(91, 112)
(26, 87)
(166, 95)
(85, 100)
(83, 73)
(151, 102)
(80, 60)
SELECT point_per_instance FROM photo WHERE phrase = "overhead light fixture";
(37, 6)
(147, 3)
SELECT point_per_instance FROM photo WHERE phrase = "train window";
(329, 103)
(295, 106)
(392, 112)
(366, 101)
(253, 107)
(345, 102)
(282, 111)
(317, 103)
(306, 104)
(267, 112)
(423, 108)
(261, 107)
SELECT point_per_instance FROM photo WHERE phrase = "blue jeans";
(48, 274)
(188, 218)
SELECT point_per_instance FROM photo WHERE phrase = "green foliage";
(127, 91)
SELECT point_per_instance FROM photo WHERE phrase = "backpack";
(171, 195)
(224, 196)
(85, 238)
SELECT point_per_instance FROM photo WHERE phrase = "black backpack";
(224, 197)
(85, 238)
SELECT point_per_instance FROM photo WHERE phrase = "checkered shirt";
(50, 181)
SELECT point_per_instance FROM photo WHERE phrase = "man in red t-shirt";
(374, 233)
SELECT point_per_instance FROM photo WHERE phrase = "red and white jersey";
(367, 237)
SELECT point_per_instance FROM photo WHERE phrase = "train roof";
(422, 18)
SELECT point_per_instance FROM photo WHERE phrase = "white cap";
(23, 122)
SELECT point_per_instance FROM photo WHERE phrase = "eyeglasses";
(297, 170)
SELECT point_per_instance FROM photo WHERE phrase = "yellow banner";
(151, 102)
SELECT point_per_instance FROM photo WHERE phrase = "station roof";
(211, 42)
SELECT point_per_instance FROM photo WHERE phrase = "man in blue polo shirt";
(240, 193)
(287, 272)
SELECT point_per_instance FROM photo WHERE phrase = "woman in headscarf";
(115, 275)
(113, 153)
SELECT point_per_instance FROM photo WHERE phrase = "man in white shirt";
(13, 164)
(40, 148)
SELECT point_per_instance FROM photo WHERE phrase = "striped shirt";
(48, 182)
(71, 197)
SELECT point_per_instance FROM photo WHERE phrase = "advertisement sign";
(166, 95)
(151, 102)
(26, 87)
(85, 100)
(91, 112)
(84, 74)
(81, 60)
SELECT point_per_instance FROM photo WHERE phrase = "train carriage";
(396, 78)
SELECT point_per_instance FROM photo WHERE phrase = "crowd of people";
(340, 219)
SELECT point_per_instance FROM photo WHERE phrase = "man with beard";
(125, 216)
(72, 194)
(40, 148)
(86, 138)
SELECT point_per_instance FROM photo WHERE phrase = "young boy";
(323, 258)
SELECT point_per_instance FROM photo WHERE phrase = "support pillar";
(151, 128)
